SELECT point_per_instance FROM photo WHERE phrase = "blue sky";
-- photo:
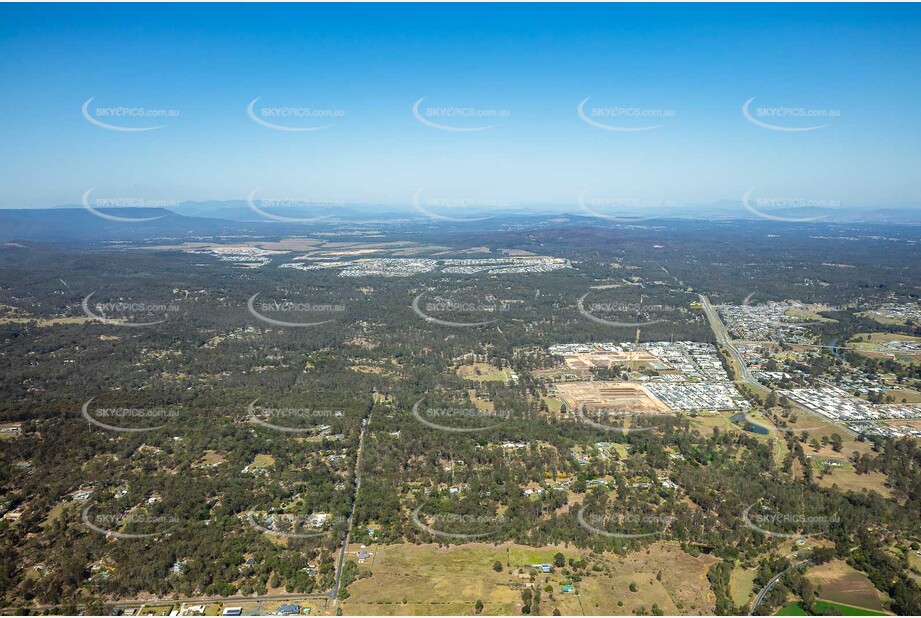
(537, 63)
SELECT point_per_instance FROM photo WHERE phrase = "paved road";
(767, 588)
(365, 423)
(722, 337)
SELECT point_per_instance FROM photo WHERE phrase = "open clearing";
(742, 585)
(482, 372)
(428, 579)
(625, 396)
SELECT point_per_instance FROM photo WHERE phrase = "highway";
(722, 337)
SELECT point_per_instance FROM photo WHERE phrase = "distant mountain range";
(208, 220)
(241, 210)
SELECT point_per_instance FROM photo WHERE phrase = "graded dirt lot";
(588, 360)
(428, 579)
(625, 396)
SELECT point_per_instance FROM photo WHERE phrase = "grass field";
(427, 579)
(795, 609)
(874, 345)
(742, 585)
(909, 396)
(849, 479)
(483, 372)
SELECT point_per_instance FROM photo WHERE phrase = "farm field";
(838, 582)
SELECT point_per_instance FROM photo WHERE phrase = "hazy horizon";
(490, 104)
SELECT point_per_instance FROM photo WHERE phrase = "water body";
(740, 419)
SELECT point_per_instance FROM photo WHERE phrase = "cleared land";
(483, 372)
(625, 396)
(428, 579)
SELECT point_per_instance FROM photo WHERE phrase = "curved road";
(767, 588)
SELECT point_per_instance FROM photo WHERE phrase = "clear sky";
(688, 69)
